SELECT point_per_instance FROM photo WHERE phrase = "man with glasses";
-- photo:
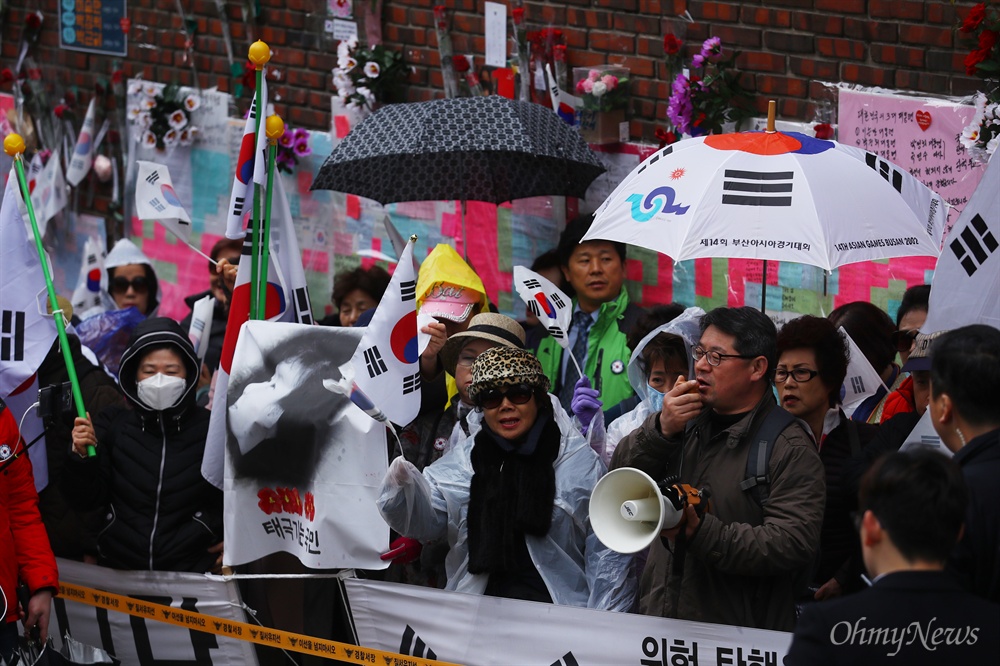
(742, 561)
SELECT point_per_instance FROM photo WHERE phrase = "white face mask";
(161, 392)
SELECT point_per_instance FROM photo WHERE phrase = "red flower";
(823, 131)
(290, 501)
(460, 63)
(518, 14)
(269, 501)
(6, 76)
(972, 61)
(60, 111)
(559, 52)
(671, 44)
(665, 137)
(987, 40)
(34, 21)
(310, 508)
(117, 76)
(974, 18)
(35, 74)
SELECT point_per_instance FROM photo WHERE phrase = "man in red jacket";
(25, 554)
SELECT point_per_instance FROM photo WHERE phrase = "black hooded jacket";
(161, 514)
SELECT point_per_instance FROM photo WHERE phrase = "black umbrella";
(468, 148)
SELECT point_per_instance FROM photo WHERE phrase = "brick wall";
(786, 46)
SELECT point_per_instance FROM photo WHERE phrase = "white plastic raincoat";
(578, 570)
(687, 325)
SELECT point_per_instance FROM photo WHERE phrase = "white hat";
(125, 252)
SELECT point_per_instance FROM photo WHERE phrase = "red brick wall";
(786, 45)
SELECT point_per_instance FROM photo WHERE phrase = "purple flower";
(301, 134)
(286, 140)
(697, 61)
(301, 148)
(711, 49)
(679, 108)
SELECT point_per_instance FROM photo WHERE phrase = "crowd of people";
(814, 516)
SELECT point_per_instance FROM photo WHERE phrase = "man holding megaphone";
(738, 554)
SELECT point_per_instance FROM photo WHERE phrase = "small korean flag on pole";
(546, 301)
(861, 382)
(387, 361)
(155, 199)
(82, 157)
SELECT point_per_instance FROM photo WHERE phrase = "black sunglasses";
(903, 339)
(139, 284)
(518, 395)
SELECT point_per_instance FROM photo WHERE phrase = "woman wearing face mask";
(161, 514)
(513, 499)
(657, 360)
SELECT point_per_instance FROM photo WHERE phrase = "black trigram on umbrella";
(757, 188)
(532, 284)
(412, 645)
(374, 363)
(407, 290)
(153, 177)
(892, 175)
(857, 385)
(12, 336)
(566, 660)
(411, 383)
(974, 245)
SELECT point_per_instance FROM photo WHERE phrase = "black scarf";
(511, 494)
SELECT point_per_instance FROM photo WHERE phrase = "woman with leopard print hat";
(513, 499)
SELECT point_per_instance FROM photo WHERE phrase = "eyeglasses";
(903, 339)
(800, 375)
(518, 395)
(139, 284)
(714, 358)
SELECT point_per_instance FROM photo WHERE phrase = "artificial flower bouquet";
(604, 96)
(366, 76)
(981, 27)
(292, 147)
(162, 114)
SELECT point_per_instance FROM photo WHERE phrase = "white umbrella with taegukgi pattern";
(772, 196)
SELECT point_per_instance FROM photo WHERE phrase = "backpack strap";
(756, 479)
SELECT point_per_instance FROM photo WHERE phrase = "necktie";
(581, 324)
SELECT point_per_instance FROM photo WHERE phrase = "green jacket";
(608, 335)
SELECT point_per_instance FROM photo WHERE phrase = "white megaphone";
(628, 510)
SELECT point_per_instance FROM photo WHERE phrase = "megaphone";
(628, 509)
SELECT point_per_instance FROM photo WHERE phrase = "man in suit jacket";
(911, 509)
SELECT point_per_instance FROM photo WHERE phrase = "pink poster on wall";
(919, 134)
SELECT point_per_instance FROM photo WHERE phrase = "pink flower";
(301, 148)
(610, 81)
(579, 86)
(588, 85)
(593, 75)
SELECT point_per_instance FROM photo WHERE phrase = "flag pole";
(259, 55)
(13, 145)
(274, 127)
(772, 107)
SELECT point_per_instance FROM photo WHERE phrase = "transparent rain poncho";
(577, 569)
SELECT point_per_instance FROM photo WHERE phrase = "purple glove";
(585, 404)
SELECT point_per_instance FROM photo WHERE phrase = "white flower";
(133, 113)
(343, 50)
(991, 147)
(970, 135)
(148, 139)
(599, 88)
(151, 90)
(145, 119)
(342, 81)
(188, 136)
(135, 87)
(192, 102)
(367, 94)
(372, 69)
(352, 43)
(148, 103)
(349, 64)
(178, 120)
(171, 137)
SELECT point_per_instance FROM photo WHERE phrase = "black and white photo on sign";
(302, 463)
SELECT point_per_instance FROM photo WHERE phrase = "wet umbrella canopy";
(471, 148)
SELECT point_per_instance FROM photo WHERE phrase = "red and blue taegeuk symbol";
(244, 166)
(170, 196)
(83, 143)
(94, 279)
(546, 305)
(403, 338)
(774, 143)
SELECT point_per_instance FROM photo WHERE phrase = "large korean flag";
(303, 464)
(966, 285)
(387, 361)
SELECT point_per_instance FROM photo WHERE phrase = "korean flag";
(549, 303)
(155, 199)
